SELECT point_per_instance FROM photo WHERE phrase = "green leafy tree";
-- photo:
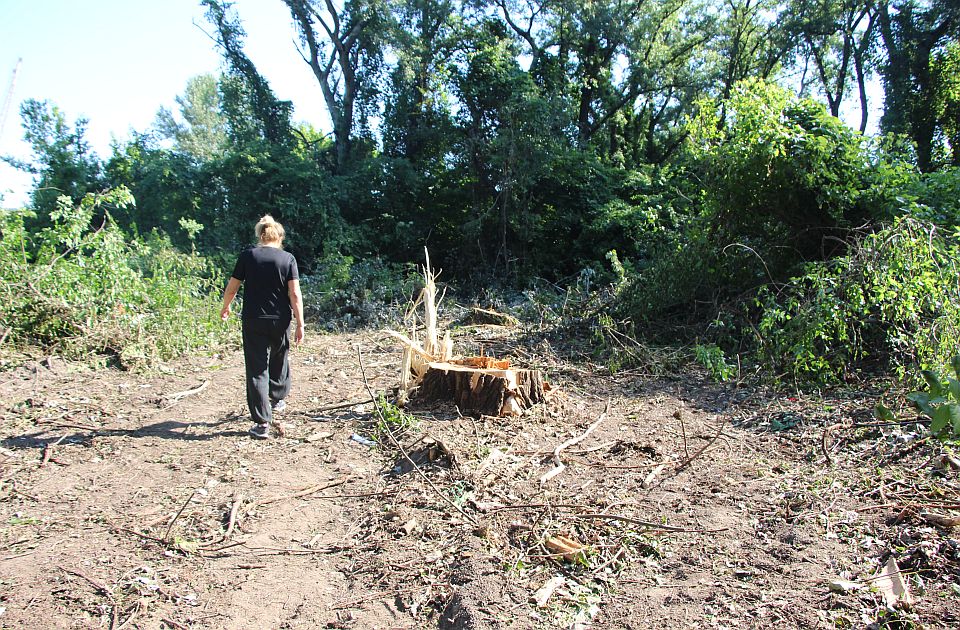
(253, 111)
(626, 72)
(913, 31)
(418, 122)
(344, 48)
(836, 38)
(749, 42)
(946, 76)
(62, 162)
(167, 183)
(200, 130)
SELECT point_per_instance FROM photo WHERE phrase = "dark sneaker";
(260, 431)
(278, 406)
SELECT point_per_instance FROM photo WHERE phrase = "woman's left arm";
(296, 303)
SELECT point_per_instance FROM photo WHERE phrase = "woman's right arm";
(228, 294)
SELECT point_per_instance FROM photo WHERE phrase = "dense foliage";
(893, 300)
(82, 286)
(686, 156)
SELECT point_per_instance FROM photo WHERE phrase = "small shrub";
(346, 293)
(893, 301)
(941, 401)
(395, 421)
(711, 357)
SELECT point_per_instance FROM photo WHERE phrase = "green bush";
(768, 181)
(346, 293)
(79, 288)
(934, 197)
(893, 302)
(941, 401)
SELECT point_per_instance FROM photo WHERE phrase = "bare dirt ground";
(133, 501)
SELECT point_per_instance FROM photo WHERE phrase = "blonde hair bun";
(268, 230)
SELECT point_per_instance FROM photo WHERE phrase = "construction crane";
(8, 99)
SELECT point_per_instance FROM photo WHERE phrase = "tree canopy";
(526, 139)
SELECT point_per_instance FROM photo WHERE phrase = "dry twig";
(178, 396)
(166, 534)
(304, 492)
(686, 462)
(648, 524)
(556, 452)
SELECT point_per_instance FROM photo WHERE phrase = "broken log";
(485, 317)
(491, 391)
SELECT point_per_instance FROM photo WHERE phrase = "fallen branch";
(286, 550)
(375, 596)
(903, 452)
(115, 613)
(943, 520)
(386, 426)
(127, 530)
(303, 493)
(627, 467)
(648, 524)
(236, 513)
(686, 462)
(556, 452)
(95, 583)
(177, 397)
(69, 425)
(339, 406)
(537, 506)
(582, 451)
(363, 495)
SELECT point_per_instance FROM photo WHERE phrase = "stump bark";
(492, 391)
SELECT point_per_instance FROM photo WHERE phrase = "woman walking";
(271, 291)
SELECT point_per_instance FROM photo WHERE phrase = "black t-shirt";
(265, 272)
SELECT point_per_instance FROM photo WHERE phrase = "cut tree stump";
(483, 385)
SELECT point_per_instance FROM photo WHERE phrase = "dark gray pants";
(265, 346)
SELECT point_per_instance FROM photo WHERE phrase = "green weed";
(394, 421)
(712, 357)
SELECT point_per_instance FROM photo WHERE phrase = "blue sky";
(116, 62)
